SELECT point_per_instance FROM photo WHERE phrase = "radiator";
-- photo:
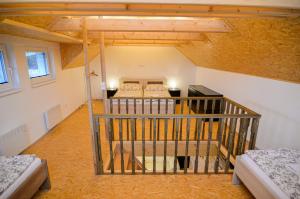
(14, 141)
(52, 117)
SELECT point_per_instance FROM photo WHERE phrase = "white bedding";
(270, 173)
(161, 93)
(267, 183)
(129, 93)
(30, 169)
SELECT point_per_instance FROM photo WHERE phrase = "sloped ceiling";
(261, 46)
(266, 47)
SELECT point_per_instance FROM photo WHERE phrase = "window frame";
(12, 84)
(44, 79)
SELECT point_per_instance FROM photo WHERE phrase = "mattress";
(275, 168)
(26, 165)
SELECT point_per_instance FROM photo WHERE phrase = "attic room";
(151, 99)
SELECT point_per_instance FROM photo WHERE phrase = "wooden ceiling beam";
(149, 36)
(146, 42)
(139, 9)
(145, 25)
(11, 27)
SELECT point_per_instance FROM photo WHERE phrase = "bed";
(145, 88)
(22, 176)
(269, 173)
(128, 88)
(157, 89)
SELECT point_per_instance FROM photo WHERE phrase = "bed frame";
(38, 180)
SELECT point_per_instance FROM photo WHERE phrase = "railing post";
(203, 128)
(187, 144)
(199, 126)
(132, 146)
(127, 121)
(240, 135)
(244, 139)
(165, 145)
(226, 123)
(110, 132)
(176, 145)
(143, 144)
(219, 138)
(181, 112)
(208, 144)
(254, 128)
(97, 142)
(121, 144)
(158, 121)
(230, 143)
(154, 145)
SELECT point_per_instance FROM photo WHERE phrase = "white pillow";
(155, 87)
(130, 87)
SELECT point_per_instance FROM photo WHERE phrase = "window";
(3, 67)
(39, 69)
(8, 75)
(37, 64)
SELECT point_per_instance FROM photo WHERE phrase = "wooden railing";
(201, 135)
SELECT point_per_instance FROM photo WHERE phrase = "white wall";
(278, 102)
(28, 105)
(144, 62)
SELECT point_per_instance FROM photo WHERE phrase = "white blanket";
(11, 168)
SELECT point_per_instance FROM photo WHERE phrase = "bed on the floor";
(148, 89)
(129, 88)
(269, 173)
(157, 89)
(22, 176)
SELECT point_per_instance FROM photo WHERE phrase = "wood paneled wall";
(266, 47)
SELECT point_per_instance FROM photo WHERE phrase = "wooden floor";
(68, 151)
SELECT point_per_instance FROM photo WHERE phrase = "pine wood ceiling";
(266, 47)
(256, 41)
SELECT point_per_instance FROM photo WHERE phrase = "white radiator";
(14, 141)
(52, 117)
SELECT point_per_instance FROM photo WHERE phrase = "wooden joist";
(146, 42)
(145, 25)
(144, 9)
(11, 27)
(149, 36)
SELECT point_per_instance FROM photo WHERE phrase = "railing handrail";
(174, 116)
(243, 107)
(174, 98)
(250, 112)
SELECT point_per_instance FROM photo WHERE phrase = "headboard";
(143, 82)
(155, 82)
(124, 80)
(160, 81)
